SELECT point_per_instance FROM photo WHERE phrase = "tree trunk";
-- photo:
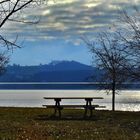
(113, 95)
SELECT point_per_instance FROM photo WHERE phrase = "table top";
(73, 98)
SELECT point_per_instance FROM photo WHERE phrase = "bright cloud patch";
(68, 19)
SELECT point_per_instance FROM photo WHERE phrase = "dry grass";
(37, 124)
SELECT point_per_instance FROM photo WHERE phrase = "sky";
(62, 24)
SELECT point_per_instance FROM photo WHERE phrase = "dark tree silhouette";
(128, 33)
(111, 59)
(3, 62)
(11, 11)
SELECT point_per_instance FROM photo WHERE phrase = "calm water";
(126, 100)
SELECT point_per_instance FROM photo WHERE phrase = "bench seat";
(61, 107)
(74, 106)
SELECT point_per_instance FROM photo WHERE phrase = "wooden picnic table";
(58, 107)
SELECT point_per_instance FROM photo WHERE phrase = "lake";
(126, 100)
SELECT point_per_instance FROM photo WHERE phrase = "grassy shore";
(37, 124)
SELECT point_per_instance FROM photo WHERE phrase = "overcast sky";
(62, 24)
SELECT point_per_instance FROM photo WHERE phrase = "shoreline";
(15, 107)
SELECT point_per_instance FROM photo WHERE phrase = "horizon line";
(61, 83)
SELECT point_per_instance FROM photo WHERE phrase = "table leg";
(88, 107)
(57, 107)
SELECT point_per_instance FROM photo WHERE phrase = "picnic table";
(87, 106)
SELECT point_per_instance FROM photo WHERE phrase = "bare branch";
(111, 60)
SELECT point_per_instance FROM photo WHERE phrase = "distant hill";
(56, 71)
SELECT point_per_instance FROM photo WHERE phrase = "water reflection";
(127, 100)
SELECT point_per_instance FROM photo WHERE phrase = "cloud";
(69, 19)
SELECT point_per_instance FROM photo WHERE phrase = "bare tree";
(3, 62)
(128, 32)
(111, 60)
(11, 11)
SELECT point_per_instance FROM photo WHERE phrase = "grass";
(37, 124)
